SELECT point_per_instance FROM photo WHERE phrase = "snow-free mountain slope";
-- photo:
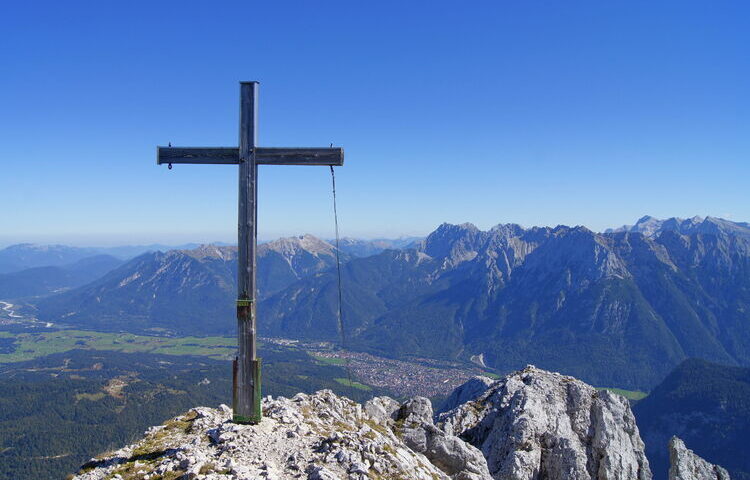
(184, 291)
(708, 406)
(46, 280)
(616, 309)
(652, 227)
(619, 309)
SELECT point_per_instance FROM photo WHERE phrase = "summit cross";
(246, 392)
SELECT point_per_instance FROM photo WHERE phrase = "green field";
(33, 345)
(634, 395)
(357, 385)
(329, 360)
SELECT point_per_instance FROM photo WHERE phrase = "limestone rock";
(450, 454)
(382, 409)
(686, 465)
(316, 437)
(536, 424)
(531, 425)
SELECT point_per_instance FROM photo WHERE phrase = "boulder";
(536, 424)
(456, 458)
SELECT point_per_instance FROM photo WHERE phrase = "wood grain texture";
(263, 156)
(247, 383)
(201, 155)
(300, 156)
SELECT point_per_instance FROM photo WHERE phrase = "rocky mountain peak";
(539, 424)
(317, 437)
(686, 465)
(508, 230)
(531, 424)
(454, 243)
(653, 227)
(205, 251)
(290, 246)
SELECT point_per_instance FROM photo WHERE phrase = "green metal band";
(252, 419)
(245, 303)
(246, 420)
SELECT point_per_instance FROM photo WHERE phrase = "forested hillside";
(58, 411)
(708, 406)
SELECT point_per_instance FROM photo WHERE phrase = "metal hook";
(169, 166)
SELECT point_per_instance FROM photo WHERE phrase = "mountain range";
(364, 248)
(185, 291)
(38, 281)
(651, 226)
(615, 309)
(23, 256)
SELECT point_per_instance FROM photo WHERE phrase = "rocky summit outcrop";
(530, 425)
(537, 424)
(686, 465)
(454, 457)
(316, 437)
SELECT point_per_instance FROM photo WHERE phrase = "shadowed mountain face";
(707, 405)
(364, 248)
(615, 309)
(184, 291)
(28, 255)
(46, 280)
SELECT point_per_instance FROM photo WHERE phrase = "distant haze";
(162, 240)
(108, 241)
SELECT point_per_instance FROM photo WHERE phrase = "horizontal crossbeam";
(210, 155)
(299, 156)
(263, 156)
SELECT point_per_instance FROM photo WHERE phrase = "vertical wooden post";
(247, 404)
(246, 391)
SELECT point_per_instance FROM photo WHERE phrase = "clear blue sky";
(539, 113)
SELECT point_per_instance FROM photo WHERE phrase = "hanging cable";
(340, 301)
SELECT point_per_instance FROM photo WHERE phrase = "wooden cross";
(246, 394)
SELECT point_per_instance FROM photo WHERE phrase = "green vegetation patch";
(35, 345)
(90, 396)
(46, 431)
(330, 360)
(357, 385)
(633, 395)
